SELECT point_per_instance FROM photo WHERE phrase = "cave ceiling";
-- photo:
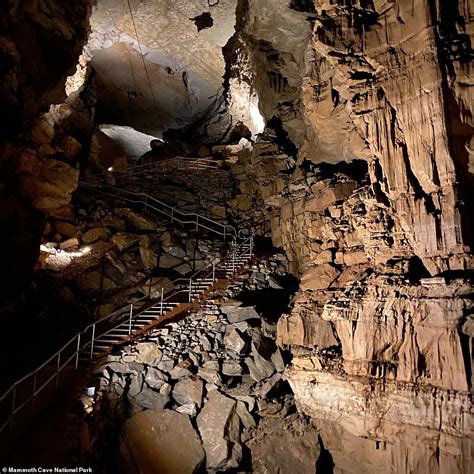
(181, 41)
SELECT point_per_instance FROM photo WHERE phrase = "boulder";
(124, 241)
(65, 228)
(95, 234)
(148, 353)
(259, 369)
(232, 368)
(46, 183)
(210, 376)
(237, 314)
(155, 378)
(69, 147)
(245, 416)
(69, 243)
(162, 441)
(272, 387)
(189, 390)
(140, 222)
(170, 245)
(319, 277)
(219, 426)
(234, 341)
(43, 131)
(148, 399)
(147, 253)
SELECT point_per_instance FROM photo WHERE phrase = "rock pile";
(220, 367)
(118, 254)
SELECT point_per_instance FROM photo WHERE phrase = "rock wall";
(40, 43)
(368, 196)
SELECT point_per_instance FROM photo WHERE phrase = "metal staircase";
(99, 338)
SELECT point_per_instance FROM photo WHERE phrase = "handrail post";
(197, 222)
(251, 244)
(13, 407)
(190, 288)
(130, 320)
(225, 228)
(233, 257)
(172, 215)
(161, 303)
(146, 201)
(34, 393)
(92, 340)
(213, 271)
(58, 365)
(78, 349)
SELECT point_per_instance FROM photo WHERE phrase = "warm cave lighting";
(59, 259)
(111, 168)
(256, 116)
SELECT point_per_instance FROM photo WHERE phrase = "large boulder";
(95, 234)
(147, 253)
(124, 240)
(189, 391)
(236, 313)
(46, 183)
(219, 426)
(162, 442)
(148, 353)
(140, 221)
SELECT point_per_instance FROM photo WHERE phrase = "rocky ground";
(206, 393)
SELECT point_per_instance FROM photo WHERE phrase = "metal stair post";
(92, 340)
(213, 271)
(13, 407)
(77, 349)
(233, 257)
(58, 364)
(161, 303)
(34, 393)
(130, 320)
(190, 288)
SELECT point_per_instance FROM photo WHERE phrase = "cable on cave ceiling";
(144, 62)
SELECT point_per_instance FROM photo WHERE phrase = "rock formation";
(349, 139)
(373, 212)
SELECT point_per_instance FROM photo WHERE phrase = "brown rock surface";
(162, 441)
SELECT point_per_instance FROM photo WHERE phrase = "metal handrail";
(174, 213)
(181, 162)
(247, 244)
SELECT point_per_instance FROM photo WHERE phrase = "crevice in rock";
(203, 21)
(282, 137)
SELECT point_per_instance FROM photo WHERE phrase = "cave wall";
(40, 43)
(372, 208)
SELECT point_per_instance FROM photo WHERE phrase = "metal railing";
(190, 220)
(179, 163)
(25, 391)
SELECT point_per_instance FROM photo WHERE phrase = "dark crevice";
(282, 137)
(304, 6)
(356, 169)
(203, 21)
